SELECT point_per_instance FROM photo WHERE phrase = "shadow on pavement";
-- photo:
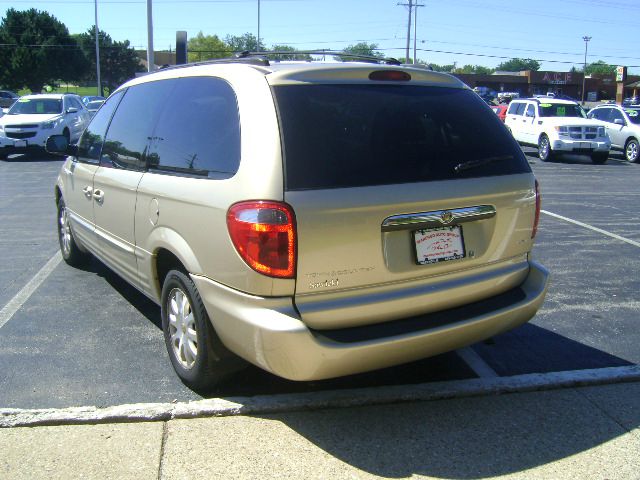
(474, 437)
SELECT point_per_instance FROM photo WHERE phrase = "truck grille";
(21, 126)
(583, 133)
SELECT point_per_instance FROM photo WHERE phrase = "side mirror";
(618, 121)
(59, 145)
(72, 110)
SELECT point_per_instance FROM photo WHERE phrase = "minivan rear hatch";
(409, 198)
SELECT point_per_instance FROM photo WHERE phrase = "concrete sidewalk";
(571, 433)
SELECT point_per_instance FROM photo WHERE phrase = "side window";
(92, 139)
(531, 111)
(132, 125)
(74, 103)
(616, 115)
(513, 108)
(600, 114)
(198, 131)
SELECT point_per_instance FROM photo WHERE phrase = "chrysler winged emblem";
(446, 217)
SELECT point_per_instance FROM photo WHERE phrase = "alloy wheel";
(182, 329)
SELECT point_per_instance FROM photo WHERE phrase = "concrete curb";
(262, 404)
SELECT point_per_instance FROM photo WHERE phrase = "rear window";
(361, 135)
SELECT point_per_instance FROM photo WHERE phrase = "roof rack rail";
(260, 58)
(332, 53)
(242, 57)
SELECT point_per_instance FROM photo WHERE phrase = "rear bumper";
(269, 333)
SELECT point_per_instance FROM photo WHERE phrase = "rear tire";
(544, 149)
(69, 249)
(632, 150)
(196, 353)
(599, 158)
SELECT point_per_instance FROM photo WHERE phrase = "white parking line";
(23, 295)
(591, 227)
(476, 363)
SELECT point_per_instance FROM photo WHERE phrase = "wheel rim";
(65, 232)
(632, 151)
(182, 329)
(543, 148)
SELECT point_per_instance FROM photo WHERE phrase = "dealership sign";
(621, 74)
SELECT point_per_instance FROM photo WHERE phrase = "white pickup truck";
(557, 126)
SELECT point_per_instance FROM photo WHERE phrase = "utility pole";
(411, 6)
(258, 42)
(150, 54)
(98, 51)
(584, 68)
(415, 32)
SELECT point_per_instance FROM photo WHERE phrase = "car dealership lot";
(84, 337)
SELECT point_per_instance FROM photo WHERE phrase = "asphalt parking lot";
(73, 337)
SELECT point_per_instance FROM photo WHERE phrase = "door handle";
(98, 195)
(87, 191)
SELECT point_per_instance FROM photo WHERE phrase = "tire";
(632, 150)
(599, 158)
(69, 249)
(196, 353)
(544, 149)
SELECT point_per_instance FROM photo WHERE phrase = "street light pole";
(584, 68)
(258, 42)
(150, 53)
(97, 51)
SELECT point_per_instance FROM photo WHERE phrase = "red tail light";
(537, 217)
(264, 234)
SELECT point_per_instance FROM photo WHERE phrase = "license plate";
(19, 143)
(435, 245)
(585, 145)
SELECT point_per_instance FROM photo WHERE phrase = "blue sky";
(477, 32)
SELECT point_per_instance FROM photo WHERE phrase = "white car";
(34, 118)
(557, 126)
(623, 128)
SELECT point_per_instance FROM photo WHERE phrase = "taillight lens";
(264, 234)
(537, 217)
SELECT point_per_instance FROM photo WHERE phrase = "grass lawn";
(82, 91)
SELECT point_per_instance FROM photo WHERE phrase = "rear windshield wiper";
(471, 164)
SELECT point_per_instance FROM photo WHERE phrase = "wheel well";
(543, 134)
(165, 262)
(628, 140)
(58, 194)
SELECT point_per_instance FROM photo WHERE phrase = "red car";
(501, 111)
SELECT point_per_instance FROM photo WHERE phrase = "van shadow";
(483, 437)
(478, 437)
(140, 302)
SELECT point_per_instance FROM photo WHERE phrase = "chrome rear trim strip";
(437, 218)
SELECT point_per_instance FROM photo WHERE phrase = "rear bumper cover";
(268, 332)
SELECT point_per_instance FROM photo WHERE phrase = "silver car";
(316, 220)
(623, 128)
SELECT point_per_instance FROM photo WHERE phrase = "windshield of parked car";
(44, 106)
(633, 114)
(561, 110)
(363, 135)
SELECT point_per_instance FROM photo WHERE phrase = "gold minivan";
(314, 219)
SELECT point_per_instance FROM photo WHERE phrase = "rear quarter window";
(361, 135)
(198, 131)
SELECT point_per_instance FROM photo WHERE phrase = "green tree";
(359, 50)
(118, 60)
(518, 65)
(293, 55)
(443, 68)
(600, 67)
(247, 42)
(36, 49)
(478, 69)
(205, 47)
